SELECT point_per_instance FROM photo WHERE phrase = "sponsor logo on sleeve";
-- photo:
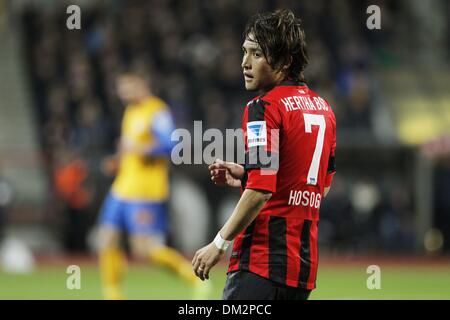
(256, 133)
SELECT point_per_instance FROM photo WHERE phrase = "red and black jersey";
(290, 141)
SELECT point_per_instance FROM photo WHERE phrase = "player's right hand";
(226, 174)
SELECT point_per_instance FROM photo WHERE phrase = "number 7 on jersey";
(315, 120)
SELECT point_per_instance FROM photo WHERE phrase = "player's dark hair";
(282, 40)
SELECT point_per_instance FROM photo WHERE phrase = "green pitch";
(334, 282)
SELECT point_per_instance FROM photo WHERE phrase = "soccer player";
(290, 140)
(137, 202)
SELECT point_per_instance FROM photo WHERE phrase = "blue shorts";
(136, 217)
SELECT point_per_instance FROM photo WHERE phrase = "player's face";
(127, 87)
(258, 74)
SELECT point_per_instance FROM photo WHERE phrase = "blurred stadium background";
(59, 117)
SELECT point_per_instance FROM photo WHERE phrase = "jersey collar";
(290, 82)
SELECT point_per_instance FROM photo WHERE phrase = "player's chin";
(250, 86)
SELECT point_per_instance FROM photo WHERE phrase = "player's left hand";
(206, 258)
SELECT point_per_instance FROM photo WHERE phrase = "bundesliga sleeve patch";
(256, 133)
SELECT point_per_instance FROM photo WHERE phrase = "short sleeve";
(162, 128)
(262, 133)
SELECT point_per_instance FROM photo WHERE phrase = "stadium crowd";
(191, 50)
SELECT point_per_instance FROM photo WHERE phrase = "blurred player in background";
(137, 201)
(274, 225)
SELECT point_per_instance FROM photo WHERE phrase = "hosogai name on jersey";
(305, 198)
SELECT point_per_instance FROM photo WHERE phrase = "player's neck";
(142, 98)
(266, 89)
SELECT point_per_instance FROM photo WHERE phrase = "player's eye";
(257, 54)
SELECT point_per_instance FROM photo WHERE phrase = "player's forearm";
(239, 171)
(248, 207)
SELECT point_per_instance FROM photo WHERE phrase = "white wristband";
(221, 243)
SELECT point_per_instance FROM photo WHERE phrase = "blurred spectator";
(69, 180)
(442, 199)
(189, 48)
(6, 196)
